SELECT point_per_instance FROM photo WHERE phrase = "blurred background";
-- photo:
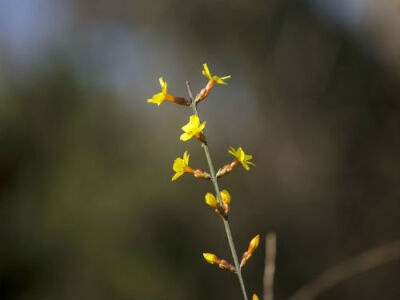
(87, 208)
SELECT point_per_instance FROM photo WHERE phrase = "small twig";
(269, 269)
(216, 187)
(363, 262)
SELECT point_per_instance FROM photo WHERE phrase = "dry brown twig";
(269, 269)
(360, 263)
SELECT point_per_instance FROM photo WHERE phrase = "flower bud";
(210, 200)
(210, 258)
(203, 94)
(226, 169)
(226, 197)
(179, 100)
(201, 174)
(222, 263)
(245, 258)
(225, 265)
(254, 243)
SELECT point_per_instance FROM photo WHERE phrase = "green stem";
(216, 187)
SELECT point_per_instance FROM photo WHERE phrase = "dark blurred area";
(86, 204)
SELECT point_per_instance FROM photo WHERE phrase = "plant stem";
(216, 187)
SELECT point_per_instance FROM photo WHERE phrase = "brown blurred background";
(87, 208)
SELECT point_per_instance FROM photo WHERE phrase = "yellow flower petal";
(217, 79)
(202, 126)
(161, 80)
(178, 165)
(157, 99)
(176, 176)
(186, 158)
(226, 197)
(220, 80)
(210, 200)
(194, 121)
(164, 85)
(232, 151)
(186, 136)
(206, 71)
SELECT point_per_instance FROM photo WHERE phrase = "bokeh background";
(87, 209)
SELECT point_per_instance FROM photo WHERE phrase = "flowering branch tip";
(212, 80)
(163, 95)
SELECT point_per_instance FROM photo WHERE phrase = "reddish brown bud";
(203, 94)
(181, 101)
(205, 91)
(223, 264)
(177, 100)
(226, 169)
(245, 258)
(201, 174)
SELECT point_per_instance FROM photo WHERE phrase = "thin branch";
(269, 269)
(216, 187)
(361, 263)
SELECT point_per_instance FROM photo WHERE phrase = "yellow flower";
(210, 200)
(181, 165)
(210, 258)
(216, 79)
(226, 197)
(242, 157)
(193, 128)
(255, 297)
(160, 97)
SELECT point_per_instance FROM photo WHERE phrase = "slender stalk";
(216, 187)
